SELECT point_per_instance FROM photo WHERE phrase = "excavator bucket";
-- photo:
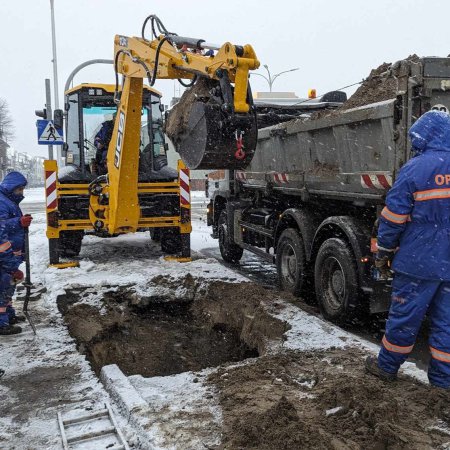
(207, 133)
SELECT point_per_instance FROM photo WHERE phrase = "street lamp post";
(271, 78)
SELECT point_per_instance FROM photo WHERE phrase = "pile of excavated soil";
(224, 323)
(380, 85)
(325, 400)
(178, 118)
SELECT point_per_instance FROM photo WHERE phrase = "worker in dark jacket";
(12, 242)
(414, 232)
(101, 142)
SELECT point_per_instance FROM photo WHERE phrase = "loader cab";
(87, 107)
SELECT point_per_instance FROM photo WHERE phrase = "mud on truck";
(309, 200)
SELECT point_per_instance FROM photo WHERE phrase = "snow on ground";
(30, 421)
(125, 260)
(34, 195)
(309, 333)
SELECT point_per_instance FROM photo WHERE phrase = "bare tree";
(6, 121)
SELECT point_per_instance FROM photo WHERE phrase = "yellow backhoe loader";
(139, 191)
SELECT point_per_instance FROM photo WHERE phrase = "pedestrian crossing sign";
(48, 134)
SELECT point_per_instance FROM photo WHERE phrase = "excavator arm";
(175, 57)
(218, 129)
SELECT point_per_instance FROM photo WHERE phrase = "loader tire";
(53, 251)
(231, 252)
(155, 234)
(291, 261)
(336, 281)
(70, 243)
(170, 241)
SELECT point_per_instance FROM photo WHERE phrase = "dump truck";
(310, 199)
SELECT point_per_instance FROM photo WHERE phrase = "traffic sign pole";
(48, 107)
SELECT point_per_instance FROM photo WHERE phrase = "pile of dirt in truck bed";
(178, 116)
(325, 400)
(380, 85)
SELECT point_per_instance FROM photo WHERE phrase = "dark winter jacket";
(11, 231)
(417, 214)
(103, 138)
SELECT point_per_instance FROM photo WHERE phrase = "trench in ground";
(159, 336)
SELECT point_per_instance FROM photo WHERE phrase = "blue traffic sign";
(48, 134)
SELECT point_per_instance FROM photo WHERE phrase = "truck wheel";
(230, 252)
(291, 261)
(155, 234)
(336, 281)
(170, 241)
(70, 243)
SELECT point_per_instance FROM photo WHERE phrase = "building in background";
(3, 157)
(32, 167)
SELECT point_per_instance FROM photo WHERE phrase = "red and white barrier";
(50, 189)
(185, 188)
(376, 181)
(281, 178)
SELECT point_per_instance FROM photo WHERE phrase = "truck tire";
(231, 253)
(291, 261)
(155, 234)
(336, 281)
(70, 243)
(170, 241)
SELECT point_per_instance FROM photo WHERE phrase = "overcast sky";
(335, 43)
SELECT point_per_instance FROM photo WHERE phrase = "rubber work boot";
(372, 367)
(10, 329)
(17, 319)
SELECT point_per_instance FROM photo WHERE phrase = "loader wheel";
(170, 241)
(53, 251)
(291, 261)
(336, 281)
(231, 253)
(155, 234)
(70, 243)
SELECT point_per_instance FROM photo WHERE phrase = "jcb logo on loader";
(119, 139)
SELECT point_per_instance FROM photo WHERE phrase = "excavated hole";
(157, 337)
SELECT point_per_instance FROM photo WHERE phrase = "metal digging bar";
(27, 281)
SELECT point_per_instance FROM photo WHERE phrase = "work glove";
(17, 276)
(25, 220)
(383, 264)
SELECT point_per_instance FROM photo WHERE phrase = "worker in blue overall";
(12, 243)
(414, 233)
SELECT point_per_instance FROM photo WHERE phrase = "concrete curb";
(121, 390)
(128, 400)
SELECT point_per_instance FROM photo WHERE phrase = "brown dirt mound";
(326, 401)
(380, 85)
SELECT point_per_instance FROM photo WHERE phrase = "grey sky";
(335, 43)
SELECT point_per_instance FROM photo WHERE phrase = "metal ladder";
(93, 430)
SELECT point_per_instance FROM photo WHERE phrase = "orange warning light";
(312, 93)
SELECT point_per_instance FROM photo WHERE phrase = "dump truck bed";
(349, 154)
(335, 154)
